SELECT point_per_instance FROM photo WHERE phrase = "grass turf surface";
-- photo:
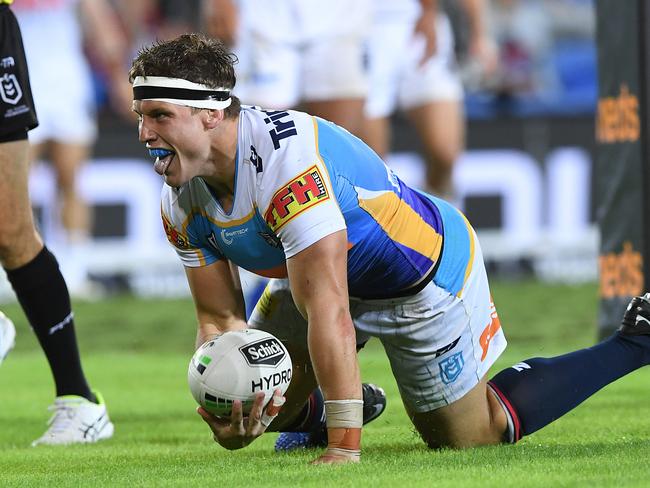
(136, 352)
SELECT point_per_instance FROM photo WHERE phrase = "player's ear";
(212, 117)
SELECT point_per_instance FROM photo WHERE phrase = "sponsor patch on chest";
(300, 194)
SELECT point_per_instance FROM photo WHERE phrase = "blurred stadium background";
(525, 180)
(531, 180)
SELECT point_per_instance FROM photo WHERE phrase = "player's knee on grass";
(477, 419)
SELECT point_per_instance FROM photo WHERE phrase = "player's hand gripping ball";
(235, 366)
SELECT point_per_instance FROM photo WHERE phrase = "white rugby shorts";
(396, 80)
(280, 75)
(60, 76)
(439, 345)
(292, 51)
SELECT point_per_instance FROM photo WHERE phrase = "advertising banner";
(621, 159)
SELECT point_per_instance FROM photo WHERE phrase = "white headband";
(180, 92)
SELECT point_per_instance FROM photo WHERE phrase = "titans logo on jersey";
(319, 180)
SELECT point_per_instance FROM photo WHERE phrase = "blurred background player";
(62, 83)
(294, 53)
(412, 67)
(79, 414)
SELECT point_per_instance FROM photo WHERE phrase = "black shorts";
(17, 112)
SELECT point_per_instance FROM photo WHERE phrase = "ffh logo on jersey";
(177, 238)
(267, 352)
(300, 194)
(10, 89)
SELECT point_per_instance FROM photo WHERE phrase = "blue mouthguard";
(158, 152)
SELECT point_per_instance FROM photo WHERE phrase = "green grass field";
(136, 352)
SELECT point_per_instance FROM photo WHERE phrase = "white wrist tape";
(345, 414)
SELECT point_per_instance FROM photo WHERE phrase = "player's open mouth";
(163, 159)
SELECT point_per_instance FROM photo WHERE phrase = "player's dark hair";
(192, 57)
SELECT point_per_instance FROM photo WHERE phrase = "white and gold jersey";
(298, 179)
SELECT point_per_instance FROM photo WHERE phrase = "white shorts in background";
(396, 80)
(67, 120)
(281, 75)
(291, 51)
(60, 76)
(439, 345)
(64, 102)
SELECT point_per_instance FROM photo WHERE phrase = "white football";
(235, 366)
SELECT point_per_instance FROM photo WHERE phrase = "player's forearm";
(218, 299)
(318, 277)
(332, 346)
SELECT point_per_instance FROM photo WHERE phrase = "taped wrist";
(272, 410)
(344, 420)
